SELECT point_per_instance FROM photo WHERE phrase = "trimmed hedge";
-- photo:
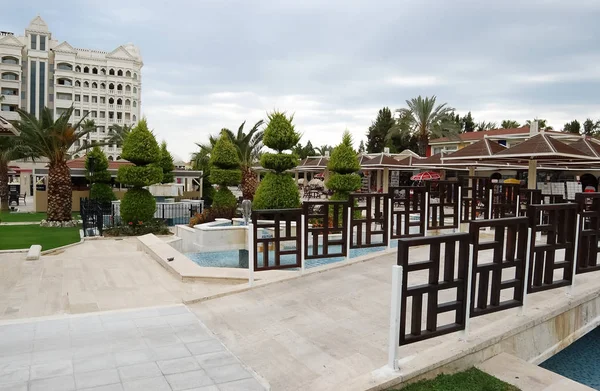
(279, 162)
(343, 160)
(102, 192)
(344, 183)
(140, 146)
(280, 133)
(138, 205)
(166, 163)
(277, 191)
(225, 177)
(224, 198)
(101, 173)
(343, 165)
(140, 176)
(224, 154)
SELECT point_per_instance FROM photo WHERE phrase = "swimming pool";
(579, 361)
(232, 258)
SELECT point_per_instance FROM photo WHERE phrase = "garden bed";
(470, 380)
(15, 237)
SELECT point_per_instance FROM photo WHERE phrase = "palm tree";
(483, 126)
(542, 124)
(52, 139)
(323, 149)
(10, 149)
(118, 133)
(510, 124)
(426, 120)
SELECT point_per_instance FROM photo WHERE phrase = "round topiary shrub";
(140, 176)
(343, 164)
(224, 198)
(224, 171)
(225, 177)
(138, 205)
(277, 191)
(140, 146)
(102, 192)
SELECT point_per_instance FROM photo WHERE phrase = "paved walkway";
(153, 349)
(97, 275)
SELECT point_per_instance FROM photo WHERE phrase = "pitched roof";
(542, 147)
(587, 146)
(114, 165)
(475, 136)
(482, 148)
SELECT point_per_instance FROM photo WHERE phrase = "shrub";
(343, 160)
(137, 205)
(279, 162)
(280, 133)
(224, 154)
(153, 226)
(343, 164)
(140, 176)
(166, 163)
(277, 191)
(140, 146)
(225, 177)
(344, 183)
(224, 198)
(102, 193)
(100, 174)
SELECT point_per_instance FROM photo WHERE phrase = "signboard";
(395, 179)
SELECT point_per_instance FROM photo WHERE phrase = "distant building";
(37, 70)
(506, 137)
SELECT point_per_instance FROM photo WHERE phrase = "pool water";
(231, 258)
(579, 361)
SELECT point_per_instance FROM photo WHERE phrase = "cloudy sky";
(210, 64)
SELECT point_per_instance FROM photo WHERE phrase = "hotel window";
(33, 41)
(102, 100)
(86, 98)
(42, 42)
(94, 99)
(77, 98)
(77, 112)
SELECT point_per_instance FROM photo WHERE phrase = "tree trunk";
(249, 183)
(60, 192)
(3, 186)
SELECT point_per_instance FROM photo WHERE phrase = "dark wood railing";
(407, 201)
(277, 239)
(504, 200)
(589, 232)
(443, 204)
(368, 222)
(475, 198)
(324, 229)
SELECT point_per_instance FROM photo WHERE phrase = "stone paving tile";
(149, 384)
(97, 378)
(139, 371)
(134, 357)
(95, 363)
(14, 387)
(61, 383)
(178, 365)
(110, 387)
(51, 369)
(245, 384)
(15, 376)
(228, 373)
(187, 380)
(217, 359)
(170, 351)
(209, 346)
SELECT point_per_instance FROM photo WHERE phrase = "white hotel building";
(37, 70)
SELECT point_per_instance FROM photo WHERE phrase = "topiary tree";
(343, 164)
(99, 176)
(278, 189)
(140, 148)
(224, 171)
(166, 163)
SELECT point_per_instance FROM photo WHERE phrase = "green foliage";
(361, 147)
(140, 146)
(343, 183)
(304, 152)
(102, 192)
(137, 205)
(225, 177)
(470, 380)
(279, 162)
(166, 163)
(379, 129)
(343, 158)
(101, 174)
(468, 123)
(277, 191)
(140, 176)
(280, 133)
(510, 124)
(224, 154)
(152, 226)
(572, 127)
(590, 127)
(208, 192)
(224, 198)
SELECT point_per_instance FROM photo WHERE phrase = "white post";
(459, 211)
(348, 232)
(389, 221)
(490, 200)
(426, 212)
(571, 289)
(302, 243)
(527, 263)
(394, 338)
(518, 205)
(465, 333)
(251, 247)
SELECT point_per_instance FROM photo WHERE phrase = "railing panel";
(443, 204)
(528, 197)
(277, 239)
(325, 225)
(368, 220)
(475, 198)
(551, 263)
(443, 275)
(589, 232)
(504, 270)
(408, 211)
(504, 200)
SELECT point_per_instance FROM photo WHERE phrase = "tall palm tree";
(483, 126)
(510, 124)
(426, 120)
(52, 139)
(323, 149)
(10, 149)
(118, 134)
(542, 124)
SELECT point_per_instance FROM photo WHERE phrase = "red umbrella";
(320, 175)
(426, 176)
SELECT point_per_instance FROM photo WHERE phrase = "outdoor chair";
(22, 197)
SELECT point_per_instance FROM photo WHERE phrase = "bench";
(34, 252)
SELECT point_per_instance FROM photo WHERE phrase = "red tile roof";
(475, 136)
(80, 163)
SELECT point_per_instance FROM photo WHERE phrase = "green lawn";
(471, 380)
(7, 217)
(23, 236)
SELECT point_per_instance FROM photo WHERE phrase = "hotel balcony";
(11, 99)
(119, 107)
